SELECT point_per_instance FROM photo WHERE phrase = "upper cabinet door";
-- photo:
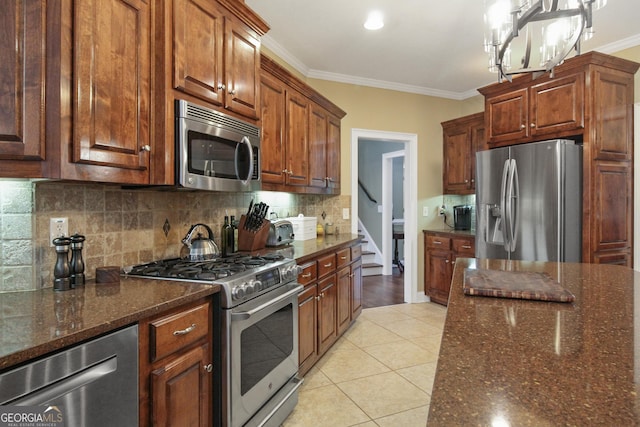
(198, 49)
(297, 170)
(242, 70)
(557, 105)
(333, 154)
(22, 79)
(317, 147)
(111, 99)
(272, 120)
(508, 116)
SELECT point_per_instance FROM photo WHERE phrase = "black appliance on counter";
(462, 217)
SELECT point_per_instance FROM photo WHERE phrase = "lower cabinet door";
(439, 276)
(307, 328)
(327, 308)
(344, 299)
(181, 391)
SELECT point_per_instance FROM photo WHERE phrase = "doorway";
(410, 197)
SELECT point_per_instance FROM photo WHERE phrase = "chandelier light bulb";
(517, 24)
(374, 20)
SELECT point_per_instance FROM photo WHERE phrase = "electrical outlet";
(425, 211)
(441, 210)
(345, 213)
(58, 227)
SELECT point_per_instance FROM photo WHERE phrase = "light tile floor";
(379, 373)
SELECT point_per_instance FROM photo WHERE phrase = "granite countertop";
(38, 322)
(450, 230)
(304, 250)
(35, 323)
(516, 362)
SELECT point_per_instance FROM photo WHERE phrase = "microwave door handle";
(245, 141)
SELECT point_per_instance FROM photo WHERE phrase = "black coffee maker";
(462, 217)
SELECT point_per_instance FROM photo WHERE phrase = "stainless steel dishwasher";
(92, 384)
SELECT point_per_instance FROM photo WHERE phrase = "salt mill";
(61, 271)
(77, 264)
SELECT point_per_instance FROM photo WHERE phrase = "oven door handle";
(244, 315)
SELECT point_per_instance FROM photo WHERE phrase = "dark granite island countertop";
(513, 362)
(35, 323)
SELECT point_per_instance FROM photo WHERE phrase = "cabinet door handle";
(343, 258)
(466, 247)
(317, 298)
(436, 242)
(447, 261)
(306, 276)
(522, 126)
(209, 367)
(532, 125)
(185, 331)
(146, 148)
(221, 86)
(328, 265)
(232, 92)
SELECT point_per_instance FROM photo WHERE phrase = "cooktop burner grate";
(214, 269)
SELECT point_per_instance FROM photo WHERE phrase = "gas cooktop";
(209, 270)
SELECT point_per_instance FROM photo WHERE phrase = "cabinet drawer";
(326, 265)
(309, 273)
(356, 251)
(463, 247)
(343, 257)
(438, 242)
(171, 333)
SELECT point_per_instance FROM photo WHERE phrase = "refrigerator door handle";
(504, 206)
(513, 193)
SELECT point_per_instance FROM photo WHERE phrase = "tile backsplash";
(122, 226)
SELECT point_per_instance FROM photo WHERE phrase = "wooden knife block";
(252, 240)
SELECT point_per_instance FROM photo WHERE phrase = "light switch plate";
(425, 211)
(345, 213)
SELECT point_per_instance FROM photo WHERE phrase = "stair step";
(371, 269)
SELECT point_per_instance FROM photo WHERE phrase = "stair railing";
(366, 192)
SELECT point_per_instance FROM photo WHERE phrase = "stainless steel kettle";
(199, 248)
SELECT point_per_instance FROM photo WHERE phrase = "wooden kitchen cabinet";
(296, 171)
(22, 123)
(92, 65)
(177, 367)
(300, 134)
(221, 69)
(330, 302)
(308, 317)
(589, 100)
(285, 134)
(356, 281)
(441, 249)
(324, 149)
(462, 138)
(549, 107)
(343, 280)
(206, 52)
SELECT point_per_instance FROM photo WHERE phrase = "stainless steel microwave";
(215, 151)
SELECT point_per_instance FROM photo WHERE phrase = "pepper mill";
(61, 271)
(77, 264)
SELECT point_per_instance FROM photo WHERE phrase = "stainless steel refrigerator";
(529, 202)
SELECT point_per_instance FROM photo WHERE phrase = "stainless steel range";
(260, 331)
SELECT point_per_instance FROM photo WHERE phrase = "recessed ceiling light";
(374, 21)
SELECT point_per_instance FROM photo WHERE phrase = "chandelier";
(555, 27)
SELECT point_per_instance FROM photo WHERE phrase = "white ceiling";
(426, 46)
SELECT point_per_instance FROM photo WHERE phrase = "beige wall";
(387, 110)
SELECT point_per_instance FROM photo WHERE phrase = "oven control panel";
(262, 281)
